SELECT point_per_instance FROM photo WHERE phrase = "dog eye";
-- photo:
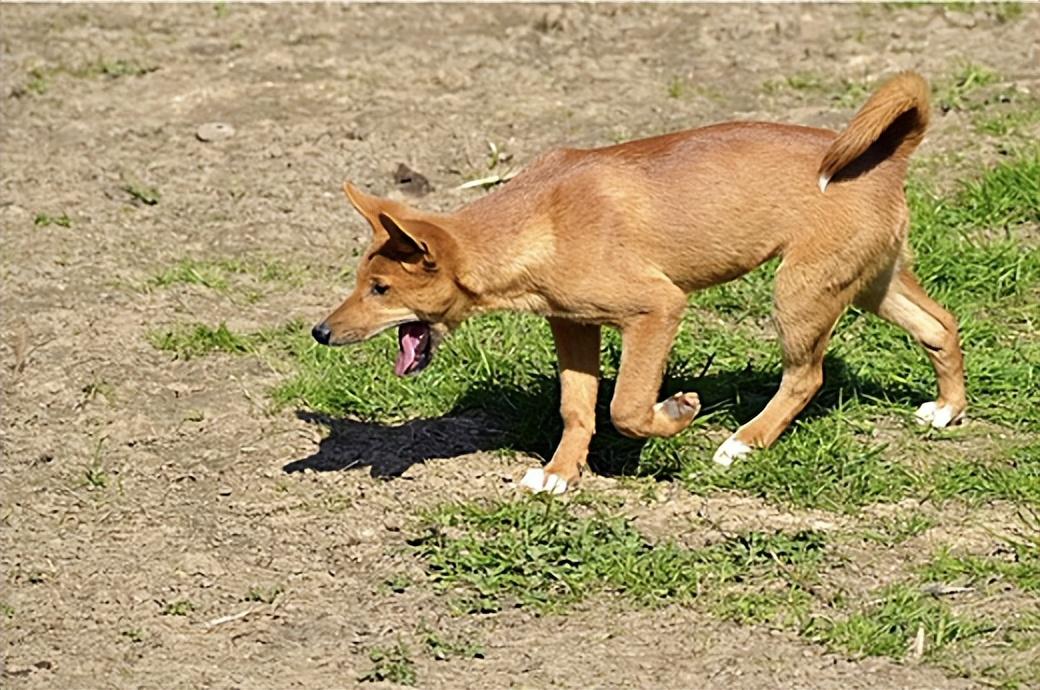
(379, 289)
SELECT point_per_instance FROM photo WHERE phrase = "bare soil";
(196, 505)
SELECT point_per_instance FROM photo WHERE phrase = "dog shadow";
(491, 417)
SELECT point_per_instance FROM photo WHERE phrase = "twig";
(230, 618)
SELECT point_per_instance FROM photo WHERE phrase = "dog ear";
(411, 241)
(414, 241)
(367, 205)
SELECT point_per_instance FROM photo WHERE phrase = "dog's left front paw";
(537, 481)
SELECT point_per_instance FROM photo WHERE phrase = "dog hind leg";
(805, 321)
(900, 299)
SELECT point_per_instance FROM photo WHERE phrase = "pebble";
(214, 131)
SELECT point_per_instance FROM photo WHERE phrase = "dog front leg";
(577, 346)
(645, 343)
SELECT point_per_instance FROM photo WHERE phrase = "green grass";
(264, 595)
(1005, 123)
(42, 220)
(238, 277)
(550, 555)
(897, 529)
(545, 555)
(889, 623)
(194, 340)
(1015, 562)
(135, 635)
(956, 92)
(140, 194)
(393, 664)
(181, 607)
(443, 648)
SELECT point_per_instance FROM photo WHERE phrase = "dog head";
(406, 279)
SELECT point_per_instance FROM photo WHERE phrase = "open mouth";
(415, 344)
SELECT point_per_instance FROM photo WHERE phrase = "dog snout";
(322, 333)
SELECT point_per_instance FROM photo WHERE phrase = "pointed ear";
(413, 241)
(366, 204)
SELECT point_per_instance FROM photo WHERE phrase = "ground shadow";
(492, 417)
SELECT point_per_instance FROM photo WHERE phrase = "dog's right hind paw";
(731, 449)
(937, 416)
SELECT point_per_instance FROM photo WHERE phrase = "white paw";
(938, 416)
(537, 481)
(731, 450)
(679, 406)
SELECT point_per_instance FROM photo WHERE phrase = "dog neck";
(504, 239)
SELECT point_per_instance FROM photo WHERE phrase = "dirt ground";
(194, 504)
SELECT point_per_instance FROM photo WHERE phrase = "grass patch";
(890, 624)
(1009, 122)
(140, 194)
(42, 220)
(222, 274)
(955, 93)
(264, 595)
(442, 648)
(181, 607)
(393, 664)
(1016, 562)
(543, 554)
(187, 341)
(894, 530)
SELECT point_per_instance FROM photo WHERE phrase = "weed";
(1005, 12)
(676, 87)
(897, 529)
(218, 274)
(42, 220)
(95, 474)
(37, 81)
(189, 341)
(786, 608)
(264, 595)
(391, 664)
(398, 584)
(92, 390)
(6, 610)
(443, 649)
(889, 624)
(1017, 562)
(539, 553)
(135, 635)
(181, 607)
(954, 94)
(149, 196)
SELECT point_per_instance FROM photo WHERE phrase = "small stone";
(214, 131)
(411, 182)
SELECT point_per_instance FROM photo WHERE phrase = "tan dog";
(617, 236)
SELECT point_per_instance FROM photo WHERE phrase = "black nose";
(321, 333)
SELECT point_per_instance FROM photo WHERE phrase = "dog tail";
(893, 118)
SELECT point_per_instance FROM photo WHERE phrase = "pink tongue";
(409, 338)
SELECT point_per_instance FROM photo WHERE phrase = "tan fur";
(619, 235)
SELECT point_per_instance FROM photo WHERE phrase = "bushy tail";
(894, 117)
